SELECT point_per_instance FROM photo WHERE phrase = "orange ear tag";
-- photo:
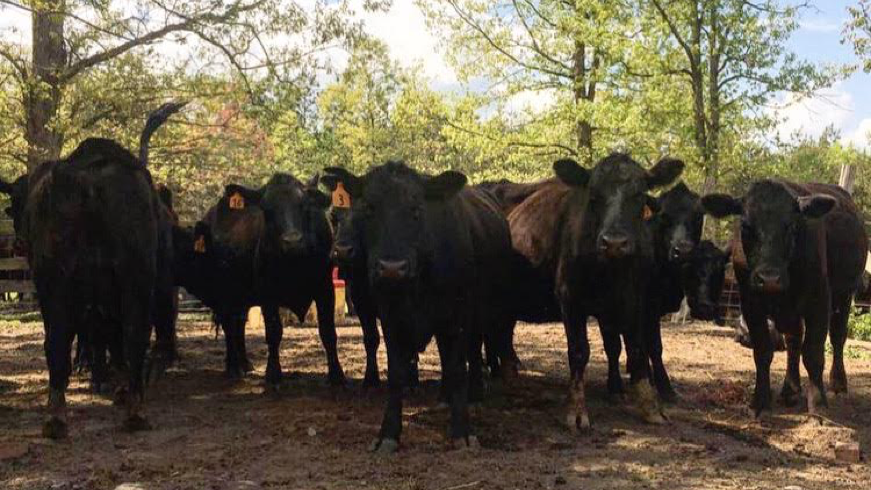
(200, 245)
(341, 198)
(647, 213)
(237, 201)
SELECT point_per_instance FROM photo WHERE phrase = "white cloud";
(403, 28)
(820, 25)
(861, 136)
(530, 102)
(811, 116)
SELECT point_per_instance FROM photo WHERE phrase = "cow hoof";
(669, 396)
(120, 397)
(384, 446)
(336, 380)
(763, 416)
(371, 381)
(838, 383)
(234, 373)
(789, 396)
(136, 423)
(655, 418)
(55, 428)
(469, 443)
(247, 367)
(578, 422)
(273, 388)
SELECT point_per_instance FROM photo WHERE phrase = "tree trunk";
(714, 51)
(44, 139)
(584, 90)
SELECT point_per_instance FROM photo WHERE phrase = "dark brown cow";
(798, 256)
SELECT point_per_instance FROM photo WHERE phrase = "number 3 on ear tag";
(237, 201)
(647, 213)
(200, 245)
(341, 198)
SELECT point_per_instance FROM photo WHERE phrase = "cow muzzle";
(614, 245)
(292, 241)
(680, 251)
(393, 270)
(768, 281)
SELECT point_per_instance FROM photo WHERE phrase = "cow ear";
(664, 172)
(5, 187)
(722, 205)
(353, 184)
(570, 173)
(318, 198)
(444, 185)
(249, 196)
(651, 207)
(330, 181)
(816, 206)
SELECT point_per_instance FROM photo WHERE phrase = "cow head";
(704, 280)
(345, 243)
(773, 220)
(678, 224)
(618, 200)
(291, 212)
(388, 215)
(17, 191)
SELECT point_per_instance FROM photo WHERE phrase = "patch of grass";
(859, 325)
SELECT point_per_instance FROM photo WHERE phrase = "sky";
(846, 106)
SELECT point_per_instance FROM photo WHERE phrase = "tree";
(733, 58)
(258, 39)
(528, 46)
(858, 32)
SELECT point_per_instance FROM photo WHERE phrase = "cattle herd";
(431, 257)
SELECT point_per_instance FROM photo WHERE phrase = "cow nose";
(614, 244)
(393, 269)
(291, 239)
(343, 252)
(768, 280)
(681, 250)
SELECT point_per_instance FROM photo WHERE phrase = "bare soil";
(214, 433)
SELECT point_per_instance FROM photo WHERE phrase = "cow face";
(773, 222)
(618, 199)
(704, 278)
(389, 213)
(17, 192)
(345, 243)
(679, 223)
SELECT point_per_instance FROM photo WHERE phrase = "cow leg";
(455, 378)
(83, 359)
(274, 333)
(137, 333)
(165, 350)
(398, 359)
(838, 335)
(791, 390)
(813, 354)
(653, 339)
(326, 307)
(371, 340)
(241, 348)
(641, 391)
(763, 354)
(228, 323)
(578, 346)
(100, 368)
(613, 349)
(476, 364)
(58, 344)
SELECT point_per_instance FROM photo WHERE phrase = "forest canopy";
(296, 85)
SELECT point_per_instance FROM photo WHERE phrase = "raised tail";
(155, 120)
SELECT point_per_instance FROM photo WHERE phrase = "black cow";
(585, 239)
(90, 223)
(798, 257)
(268, 247)
(435, 255)
(704, 279)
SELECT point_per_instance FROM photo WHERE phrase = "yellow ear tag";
(647, 213)
(341, 198)
(237, 201)
(200, 245)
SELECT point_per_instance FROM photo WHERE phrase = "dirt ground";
(214, 433)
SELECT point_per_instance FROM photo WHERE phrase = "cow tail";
(155, 120)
